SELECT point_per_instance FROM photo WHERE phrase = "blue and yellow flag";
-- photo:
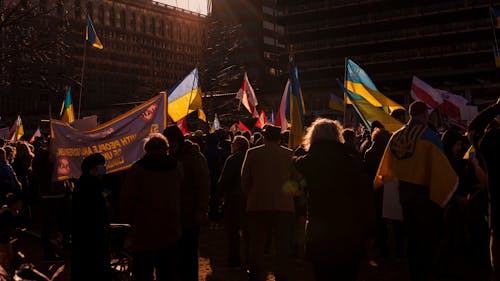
(415, 155)
(67, 112)
(185, 97)
(495, 14)
(369, 113)
(91, 35)
(358, 81)
(296, 109)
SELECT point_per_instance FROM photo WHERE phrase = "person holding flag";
(415, 158)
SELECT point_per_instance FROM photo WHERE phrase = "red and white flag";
(262, 120)
(452, 105)
(280, 120)
(247, 97)
(421, 91)
(182, 124)
(243, 127)
(35, 135)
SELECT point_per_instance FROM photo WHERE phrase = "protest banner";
(120, 140)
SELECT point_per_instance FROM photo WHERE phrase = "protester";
(90, 254)
(484, 134)
(373, 155)
(349, 137)
(8, 179)
(229, 187)
(194, 198)
(150, 202)
(415, 158)
(10, 153)
(22, 166)
(340, 203)
(265, 178)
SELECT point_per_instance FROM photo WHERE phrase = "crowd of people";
(317, 202)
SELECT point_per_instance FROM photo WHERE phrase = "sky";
(199, 6)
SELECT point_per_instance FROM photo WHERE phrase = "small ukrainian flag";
(67, 111)
(91, 35)
(496, 16)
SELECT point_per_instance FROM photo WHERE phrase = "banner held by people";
(120, 140)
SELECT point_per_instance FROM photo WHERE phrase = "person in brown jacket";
(194, 198)
(265, 180)
(150, 202)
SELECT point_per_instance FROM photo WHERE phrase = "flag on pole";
(262, 120)
(216, 124)
(91, 35)
(202, 115)
(243, 127)
(247, 97)
(281, 117)
(185, 97)
(369, 113)
(358, 81)
(423, 92)
(182, 124)
(336, 103)
(67, 112)
(296, 109)
(35, 135)
(17, 130)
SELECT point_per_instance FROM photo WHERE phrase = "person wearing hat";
(90, 255)
(415, 158)
(265, 178)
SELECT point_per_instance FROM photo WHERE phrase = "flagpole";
(81, 79)
(343, 91)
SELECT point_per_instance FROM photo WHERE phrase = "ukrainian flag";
(336, 103)
(415, 154)
(369, 113)
(91, 35)
(185, 97)
(296, 110)
(358, 81)
(496, 16)
(67, 112)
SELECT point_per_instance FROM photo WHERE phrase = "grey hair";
(323, 129)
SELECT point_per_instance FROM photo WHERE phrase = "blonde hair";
(323, 129)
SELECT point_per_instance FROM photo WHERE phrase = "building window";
(123, 19)
(133, 22)
(78, 9)
(152, 27)
(112, 18)
(162, 28)
(101, 14)
(143, 23)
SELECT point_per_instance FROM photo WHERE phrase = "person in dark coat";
(150, 202)
(229, 187)
(90, 247)
(339, 200)
(195, 189)
(484, 134)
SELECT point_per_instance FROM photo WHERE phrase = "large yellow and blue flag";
(369, 113)
(358, 81)
(296, 110)
(201, 115)
(67, 112)
(91, 35)
(185, 97)
(415, 155)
